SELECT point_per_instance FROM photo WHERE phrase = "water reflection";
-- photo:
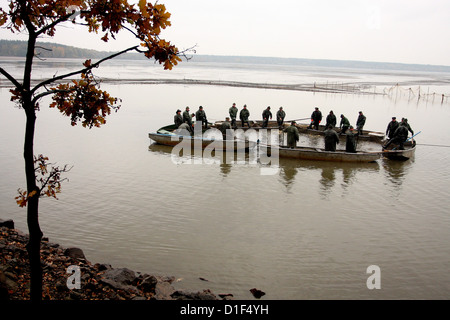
(396, 171)
(328, 172)
(288, 169)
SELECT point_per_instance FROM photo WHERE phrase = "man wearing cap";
(244, 115)
(400, 136)
(178, 119)
(360, 122)
(233, 114)
(350, 143)
(266, 115)
(331, 119)
(224, 127)
(406, 124)
(344, 125)
(331, 138)
(292, 135)
(187, 118)
(200, 115)
(392, 126)
(280, 117)
(316, 117)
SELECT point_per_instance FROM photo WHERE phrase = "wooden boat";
(256, 125)
(367, 135)
(317, 154)
(393, 153)
(167, 136)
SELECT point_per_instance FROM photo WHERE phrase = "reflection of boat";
(311, 153)
(393, 153)
(167, 136)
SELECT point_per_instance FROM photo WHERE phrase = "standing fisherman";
(178, 119)
(360, 122)
(331, 138)
(292, 135)
(244, 115)
(280, 117)
(392, 126)
(316, 117)
(350, 144)
(200, 115)
(266, 115)
(406, 124)
(187, 118)
(233, 114)
(225, 127)
(331, 119)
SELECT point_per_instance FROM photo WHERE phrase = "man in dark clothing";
(233, 114)
(331, 138)
(244, 115)
(200, 115)
(178, 119)
(292, 135)
(392, 126)
(400, 136)
(187, 118)
(266, 115)
(344, 125)
(406, 124)
(280, 117)
(316, 117)
(360, 122)
(350, 143)
(331, 120)
(226, 125)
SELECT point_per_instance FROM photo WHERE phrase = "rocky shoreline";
(95, 281)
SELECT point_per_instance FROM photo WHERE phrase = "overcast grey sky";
(406, 31)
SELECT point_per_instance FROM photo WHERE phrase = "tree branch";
(10, 78)
(92, 66)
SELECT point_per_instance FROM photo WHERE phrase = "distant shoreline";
(17, 48)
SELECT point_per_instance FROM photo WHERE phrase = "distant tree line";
(17, 48)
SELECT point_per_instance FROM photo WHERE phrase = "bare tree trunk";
(34, 230)
(35, 233)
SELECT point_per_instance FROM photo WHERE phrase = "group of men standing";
(186, 117)
(316, 118)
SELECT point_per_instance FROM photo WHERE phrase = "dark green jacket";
(350, 144)
(178, 119)
(244, 114)
(344, 122)
(187, 118)
(233, 112)
(225, 125)
(200, 115)
(292, 135)
(331, 119)
(331, 139)
(267, 114)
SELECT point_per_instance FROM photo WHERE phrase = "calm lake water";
(310, 230)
